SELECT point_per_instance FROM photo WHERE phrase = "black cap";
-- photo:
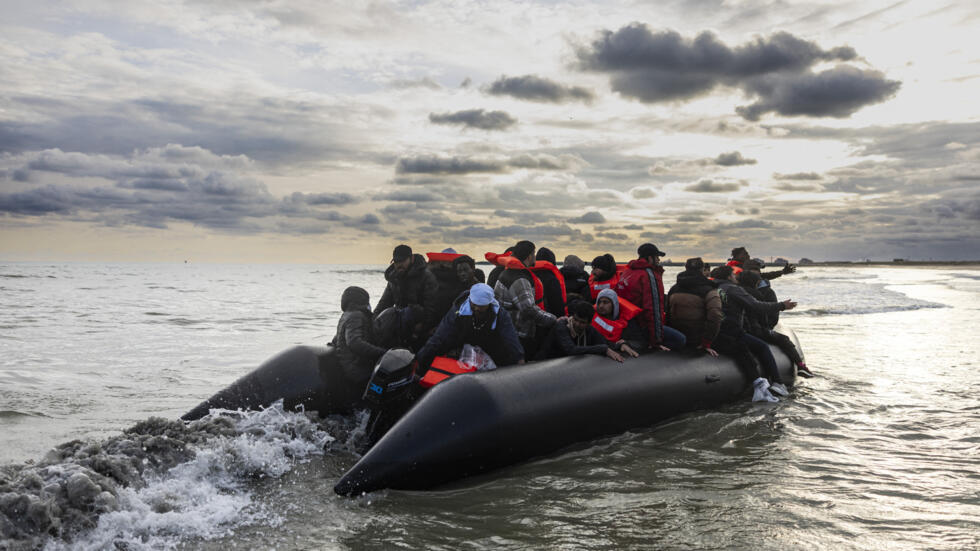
(649, 249)
(400, 253)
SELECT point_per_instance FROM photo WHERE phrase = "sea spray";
(158, 483)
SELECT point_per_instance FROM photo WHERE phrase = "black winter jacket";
(736, 302)
(415, 286)
(560, 343)
(456, 329)
(356, 352)
(576, 284)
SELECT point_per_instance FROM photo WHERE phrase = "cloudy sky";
(291, 131)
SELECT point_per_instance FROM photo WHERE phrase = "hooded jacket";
(576, 283)
(356, 352)
(643, 285)
(694, 308)
(737, 302)
(416, 285)
(496, 337)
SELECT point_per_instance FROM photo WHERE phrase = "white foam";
(207, 497)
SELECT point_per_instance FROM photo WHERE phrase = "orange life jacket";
(736, 266)
(596, 286)
(508, 261)
(443, 368)
(612, 330)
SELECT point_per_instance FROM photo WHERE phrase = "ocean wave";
(861, 310)
(157, 484)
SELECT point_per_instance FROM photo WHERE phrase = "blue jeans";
(674, 339)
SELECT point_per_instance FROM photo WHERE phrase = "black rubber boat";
(477, 422)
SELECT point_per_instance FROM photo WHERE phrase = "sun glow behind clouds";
(496, 113)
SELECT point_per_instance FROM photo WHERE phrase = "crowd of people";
(528, 309)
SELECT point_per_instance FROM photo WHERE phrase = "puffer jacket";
(694, 308)
(643, 285)
(416, 286)
(356, 352)
(737, 302)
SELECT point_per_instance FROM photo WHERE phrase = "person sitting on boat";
(604, 274)
(552, 282)
(736, 302)
(757, 325)
(476, 319)
(694, 307)
(575, 336)
(496, 271)
(357, 351)
(616, 321)
(409, 282)
(448, 286)
(466, 271)
(515, 292)
(576, 280)
(642, 284)
(740, 256)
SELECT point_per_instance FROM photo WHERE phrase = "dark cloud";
(664, 66)
(798, 176)
(837, 92)
(432, 164)
(535, 88)
(710, 186)
(591, 217)
(799, 187)
(267, 130)
(413, 196)
(733, 158)
(475, 118)
(172, 184)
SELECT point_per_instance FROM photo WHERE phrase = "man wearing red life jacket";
(642, 284)
(615, 320)
(515, 291)
(604, 274)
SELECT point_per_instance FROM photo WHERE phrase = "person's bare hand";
(788, 304)
(614, 355)
(710, 351)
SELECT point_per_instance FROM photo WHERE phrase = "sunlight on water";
(877, 452)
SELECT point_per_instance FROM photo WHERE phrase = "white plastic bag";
(474, 356)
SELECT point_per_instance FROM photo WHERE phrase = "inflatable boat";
(477, 422)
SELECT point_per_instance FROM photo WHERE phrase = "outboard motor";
(390, 393)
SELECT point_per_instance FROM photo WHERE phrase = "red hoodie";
(636, 285)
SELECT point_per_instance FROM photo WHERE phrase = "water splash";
(156, 484)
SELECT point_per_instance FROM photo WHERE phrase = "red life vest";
(442, 257)
(612, 330)
(443, 368)
(545, 266)
(596, 286)
(508, 261)
(736, 266)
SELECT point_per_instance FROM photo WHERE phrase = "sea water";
(97, 362)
